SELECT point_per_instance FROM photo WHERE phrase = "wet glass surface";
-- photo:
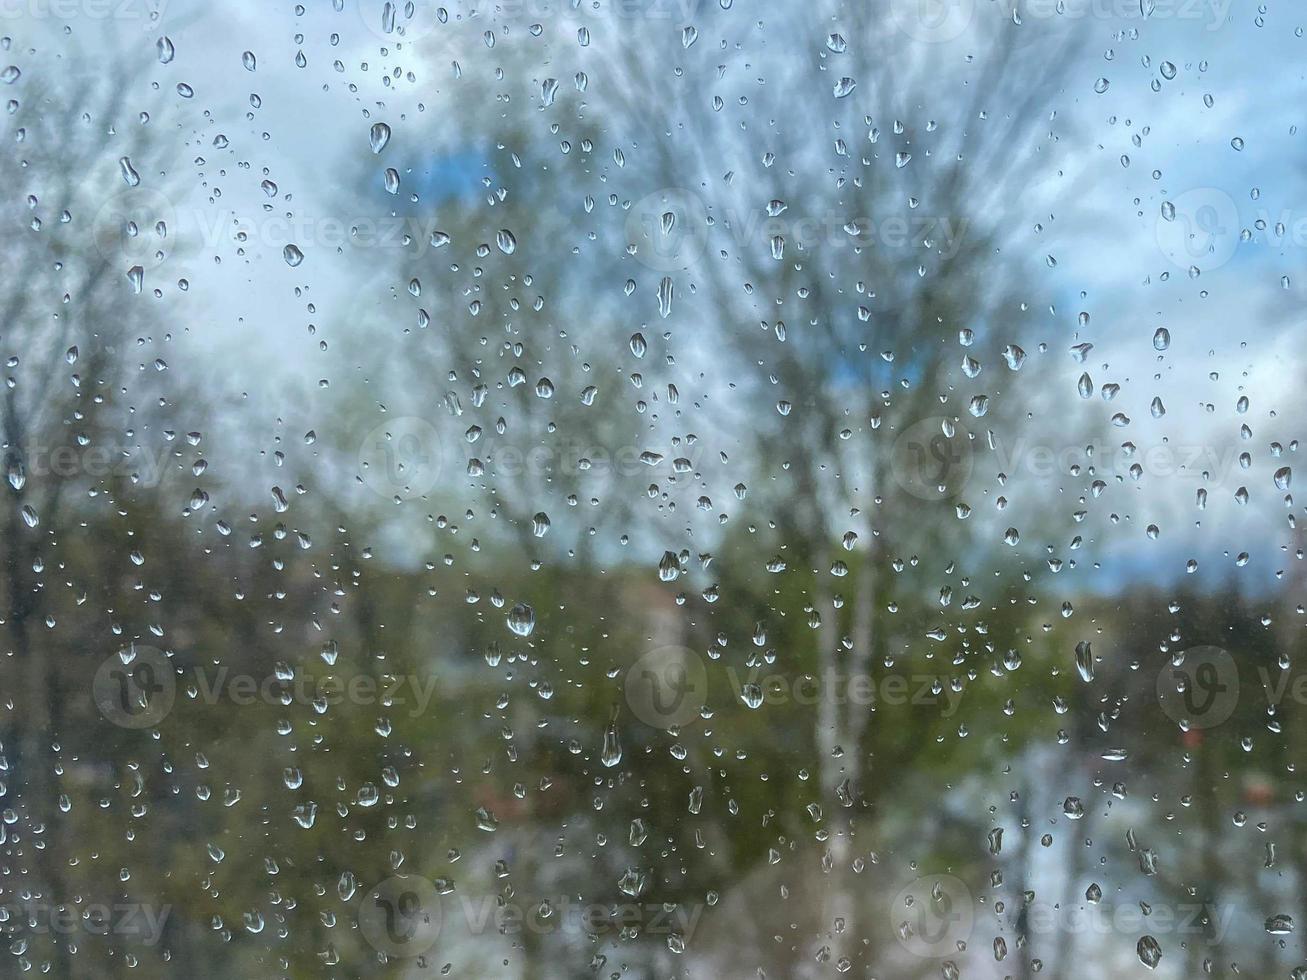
(652, 488)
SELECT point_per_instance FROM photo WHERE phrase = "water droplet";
(132, 178)
(522, 619)
(1085, 660)
(665, 293)
(1150, 952)
(1279, 925)
(611, 754)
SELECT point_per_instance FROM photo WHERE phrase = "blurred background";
(652, 488)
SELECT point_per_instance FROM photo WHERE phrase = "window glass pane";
(652, 488)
